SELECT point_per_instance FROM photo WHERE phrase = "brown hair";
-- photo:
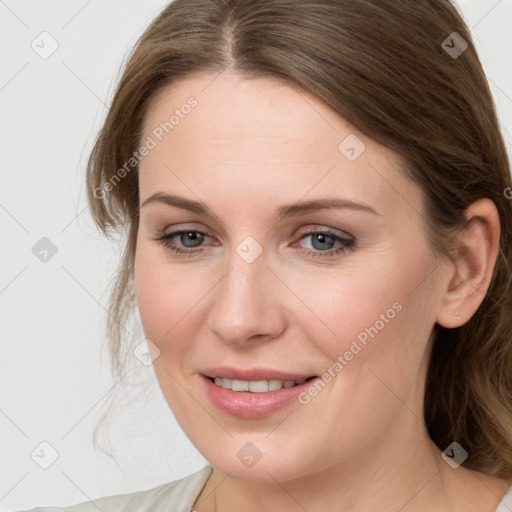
(385, 67)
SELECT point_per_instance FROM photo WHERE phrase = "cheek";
(358, 301)
(161, 299)
(170, 300)
(378, 315)
(376, 359)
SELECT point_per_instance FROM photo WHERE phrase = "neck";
(403, 473)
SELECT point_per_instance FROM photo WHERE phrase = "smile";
(256, 386)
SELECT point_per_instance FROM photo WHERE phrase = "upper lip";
(253, 374)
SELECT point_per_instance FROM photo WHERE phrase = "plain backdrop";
(54, 363)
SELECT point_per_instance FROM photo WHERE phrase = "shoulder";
(506, 502)
(178, 495)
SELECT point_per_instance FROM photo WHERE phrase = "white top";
(176, 496)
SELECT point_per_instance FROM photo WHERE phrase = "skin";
(247, 148)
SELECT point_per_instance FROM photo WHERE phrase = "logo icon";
(454, 45)
(44, 250)
(454, 455)
(249, 455)
(44, 455)
(146, 352)
(351, 147)
(249, 249)
(45, 45)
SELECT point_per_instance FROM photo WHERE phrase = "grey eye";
(321, 241)
(191, 238)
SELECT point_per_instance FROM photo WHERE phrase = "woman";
(317, 202)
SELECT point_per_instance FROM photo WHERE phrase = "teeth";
(255, 386)
(239, 385)
(258, 386)
(274, 385)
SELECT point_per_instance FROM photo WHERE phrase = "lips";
(254, 374)
(256, 402)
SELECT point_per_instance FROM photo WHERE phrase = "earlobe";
(473, 264)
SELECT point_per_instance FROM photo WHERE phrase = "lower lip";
(247, 405)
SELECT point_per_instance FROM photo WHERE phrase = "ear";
(473, 265)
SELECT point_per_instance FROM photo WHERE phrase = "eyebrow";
(286, 210)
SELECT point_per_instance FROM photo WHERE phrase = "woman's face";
(268, 280)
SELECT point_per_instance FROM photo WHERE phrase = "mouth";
(254, 399)
(257, 386)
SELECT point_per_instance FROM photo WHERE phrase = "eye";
(188, 242)
(324, 243)
(189, 238)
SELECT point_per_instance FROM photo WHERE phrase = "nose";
(246, 306)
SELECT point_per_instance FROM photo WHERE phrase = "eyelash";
(347, 243)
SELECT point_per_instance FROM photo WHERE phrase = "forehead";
(265, 135)
(243, 116)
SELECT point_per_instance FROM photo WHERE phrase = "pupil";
(193, 237)
(322, 240)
